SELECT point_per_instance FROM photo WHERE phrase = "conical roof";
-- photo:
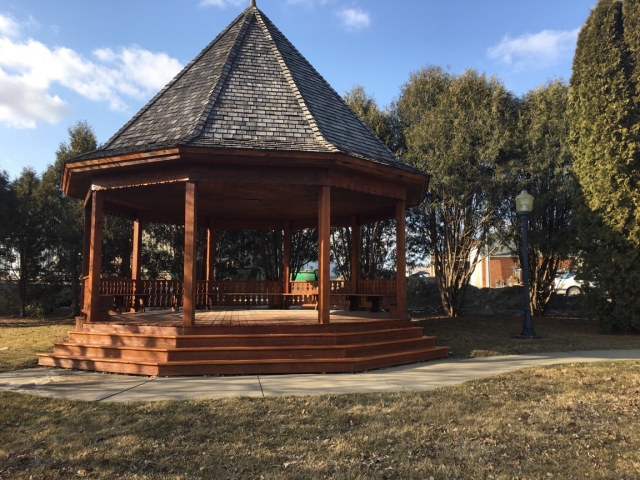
(249, 88)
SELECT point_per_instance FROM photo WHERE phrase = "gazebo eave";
(195, 164)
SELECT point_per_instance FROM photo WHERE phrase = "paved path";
(90, 386)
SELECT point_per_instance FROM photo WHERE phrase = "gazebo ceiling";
(249, 115)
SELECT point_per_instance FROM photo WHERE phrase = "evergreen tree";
(7, 205)
(605, 132)
(64, 215)
(28, 237)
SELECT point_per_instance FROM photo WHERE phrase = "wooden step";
(186, 341)
(243, 367)
(238, 350)
(248, 329)
(70, 349)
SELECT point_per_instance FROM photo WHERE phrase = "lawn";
(571, 421)
(22, 338)
(484, 336)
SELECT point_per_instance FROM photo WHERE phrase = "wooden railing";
(385, 287)
(168, 293)
(244, 293)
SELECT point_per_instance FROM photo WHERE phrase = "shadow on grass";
(487, 335)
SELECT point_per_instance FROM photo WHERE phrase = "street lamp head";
(524, 202)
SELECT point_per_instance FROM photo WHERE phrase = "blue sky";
(101, 60)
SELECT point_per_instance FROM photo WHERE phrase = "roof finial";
(252, 4)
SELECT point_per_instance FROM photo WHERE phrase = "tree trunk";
(22, 283)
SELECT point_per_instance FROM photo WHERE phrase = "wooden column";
(286, 254)
(355, 254)
(211, 252)
(190, 234)
(286, 265)
(95, 252)
(401, 260)
(324, 267)
(136, 265)
(86, 253)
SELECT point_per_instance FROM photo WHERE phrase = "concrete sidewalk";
(90, 386)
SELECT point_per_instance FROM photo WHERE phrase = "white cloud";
(8, 26)
(223, 3)
(29, 69)
(538, 50)
(22, 105)
(354, 19)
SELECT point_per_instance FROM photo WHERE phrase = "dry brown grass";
(570, 422)
(485, 336)
(22, 338)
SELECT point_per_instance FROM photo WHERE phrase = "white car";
(567, 284)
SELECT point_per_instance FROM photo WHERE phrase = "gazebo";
(247, 136)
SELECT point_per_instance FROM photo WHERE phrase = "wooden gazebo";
(247, 136)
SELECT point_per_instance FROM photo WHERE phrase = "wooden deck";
(243, 317)
(242, 342)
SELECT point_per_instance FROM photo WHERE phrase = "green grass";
(571, 422)
(484, 336)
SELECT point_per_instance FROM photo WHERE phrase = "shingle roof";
(249, 88)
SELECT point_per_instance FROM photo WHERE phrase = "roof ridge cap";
(217, 88)
(183, 72)
(287, 73)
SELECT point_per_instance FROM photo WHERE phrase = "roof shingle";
(249, 88)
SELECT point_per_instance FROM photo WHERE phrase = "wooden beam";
(355, 253)
(324, 267)
(86, 254)
(287, 257)
(136, 266)
(211, 251)
(366, 184)
(190, 234)
(95, 252)
(136, 258)
(148, 176)
(401, 259)
(261, 174)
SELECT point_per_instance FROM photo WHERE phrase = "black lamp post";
(524, 206)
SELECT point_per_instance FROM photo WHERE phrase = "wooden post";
(95, 249)
(211, 262)
(211, 252)
(355, 254)
(286, 264)
(136, 265)
(190, 234)
(401, 260)
(324, 267)
(86, 253)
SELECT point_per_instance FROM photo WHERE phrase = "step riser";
(99, 366)
(244, 350)
(248, 368)
(236, 341)
(276, 352)
(389, 348)
(98, 352)
(248, 330)
(402, 359)
(122, 340)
